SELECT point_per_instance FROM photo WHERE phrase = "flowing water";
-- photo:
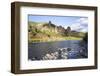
(36, 51)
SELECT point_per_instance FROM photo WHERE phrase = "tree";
(86, 38)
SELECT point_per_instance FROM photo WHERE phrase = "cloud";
(83, 20)
(81, 25)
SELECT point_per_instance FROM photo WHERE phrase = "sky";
(76, 23)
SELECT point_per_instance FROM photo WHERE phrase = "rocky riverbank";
(63, 53)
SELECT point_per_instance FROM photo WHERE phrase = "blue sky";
(75, 22)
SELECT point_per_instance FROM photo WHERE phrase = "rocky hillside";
(47, 31)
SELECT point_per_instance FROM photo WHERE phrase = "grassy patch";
(53, 39)
(73, 38)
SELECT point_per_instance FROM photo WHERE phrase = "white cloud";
(80, 25)
(83, 20)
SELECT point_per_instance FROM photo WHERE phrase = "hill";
(42, 31)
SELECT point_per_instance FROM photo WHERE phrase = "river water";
(36, 51)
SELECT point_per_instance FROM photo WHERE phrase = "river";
(36, 51)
